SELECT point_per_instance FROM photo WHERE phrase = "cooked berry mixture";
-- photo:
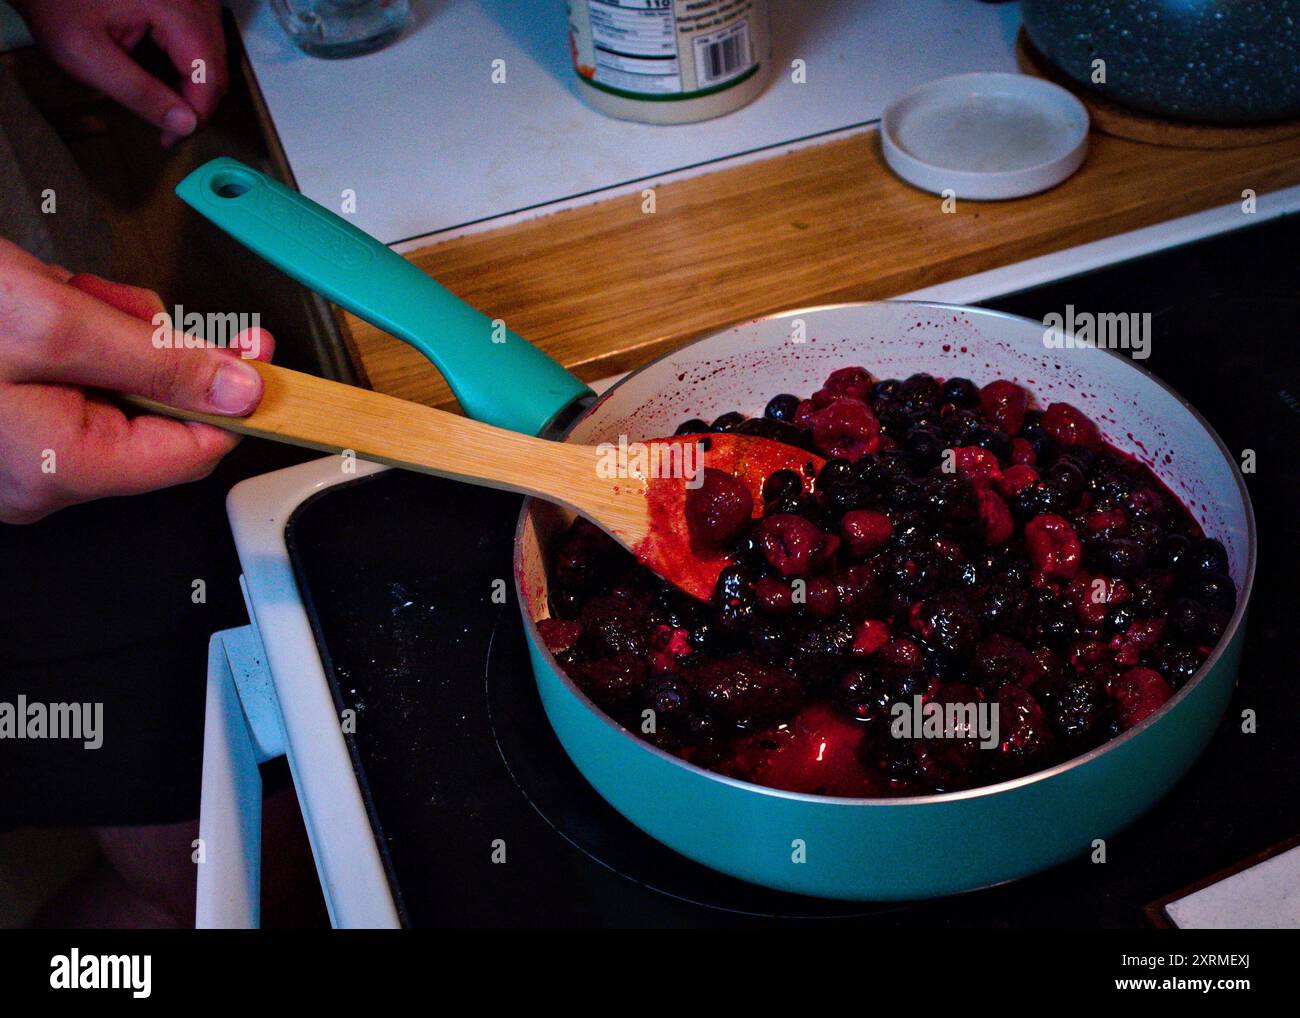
(958, 546)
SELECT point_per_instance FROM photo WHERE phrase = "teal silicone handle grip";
(496, 375)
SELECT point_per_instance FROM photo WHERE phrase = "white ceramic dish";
(985, 136)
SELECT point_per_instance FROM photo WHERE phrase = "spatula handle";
(304, 410)
(496, 375)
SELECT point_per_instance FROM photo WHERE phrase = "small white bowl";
(985, 135)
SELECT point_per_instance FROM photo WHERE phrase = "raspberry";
(1005, 403)
(869, 637)
(995, 517)
(1069, 426)
(1138, 694)
(979, 466)
(854, 383)
(1026, 736)
(1015, 478)
(864, 532)
(1054, 548)
(1022, 453)
(665, 646)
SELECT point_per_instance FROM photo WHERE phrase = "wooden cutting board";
(606, 287)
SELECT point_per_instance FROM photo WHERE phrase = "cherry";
(719, 508)
(793, 546)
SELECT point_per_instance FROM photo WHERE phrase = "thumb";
(88, 342)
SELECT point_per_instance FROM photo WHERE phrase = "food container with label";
(669, 61)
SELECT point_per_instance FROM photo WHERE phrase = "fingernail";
(180, 120)
(235, 388)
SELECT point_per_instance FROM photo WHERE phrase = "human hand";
(63, 337)
(92, 40)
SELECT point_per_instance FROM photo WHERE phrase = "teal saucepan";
(866, 849)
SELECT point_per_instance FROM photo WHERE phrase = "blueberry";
(729, 421)
(961, 392)
(925, 445)
(1171, 551)
(1121, 557)
(782, 484)
(919, 392)
(1214, 590)
(996, 442)
(835, 471)
(1207, 556)
(886, 388)
(782, 407)
(694, 426)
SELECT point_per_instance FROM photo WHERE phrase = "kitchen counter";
(605, 287)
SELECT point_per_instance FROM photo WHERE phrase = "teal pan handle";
(496, 375)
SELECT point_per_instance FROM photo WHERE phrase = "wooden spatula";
(639, 498)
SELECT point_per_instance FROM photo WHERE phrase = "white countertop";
(430, 145)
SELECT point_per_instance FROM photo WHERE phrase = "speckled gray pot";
(1222, 61)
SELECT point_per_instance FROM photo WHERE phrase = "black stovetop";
(456, 757)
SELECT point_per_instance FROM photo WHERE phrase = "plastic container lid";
(985, 135)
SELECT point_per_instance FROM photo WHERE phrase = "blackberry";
(1037, 499)
(1077, 707)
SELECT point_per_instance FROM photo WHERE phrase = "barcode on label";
(720, 57)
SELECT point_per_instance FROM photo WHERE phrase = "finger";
(77, 339)
(255, 344)
(191, 35)
(87, 448)
(14, 257)
(98, 61)
(136, 301)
